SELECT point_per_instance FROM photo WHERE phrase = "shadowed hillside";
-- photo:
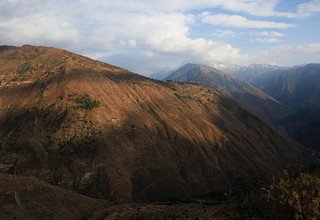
(107, 133)
(297, 87)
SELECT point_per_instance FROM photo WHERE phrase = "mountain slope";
(161, 75)
(107, 133)
(304, 127)
(298, 88)
(226, 67)
(29, 198)
(253, 99)
(257, 72)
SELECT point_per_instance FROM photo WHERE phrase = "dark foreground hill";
(30, 198)
(106, 133)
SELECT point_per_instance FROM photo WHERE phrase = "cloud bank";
(147, 36)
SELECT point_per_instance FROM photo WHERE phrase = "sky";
(147, 36)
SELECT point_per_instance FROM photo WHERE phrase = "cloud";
(240, 21)
(273, 34)
(251, 7)
(38, 29)
(267, 36)
(225, 33)
(308, 8)
(267, 40)
(257, 8)
(290, 55)
(143, 36)
(134, 39)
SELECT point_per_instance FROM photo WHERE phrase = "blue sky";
(147, 36)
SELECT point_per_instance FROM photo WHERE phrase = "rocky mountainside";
(107, 133)
(257, 72)
(304, 127)
(30, 198)
(298, 88)
(252, 98)
(250, 74)
(226, 67)
(161, 75)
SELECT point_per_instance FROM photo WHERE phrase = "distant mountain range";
(257, 71)
(225, 67)
(295, 92)
(297, 88)
(161, 74)
(252, 98)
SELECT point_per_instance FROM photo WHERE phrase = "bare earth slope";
(145, 140)
(29, 198)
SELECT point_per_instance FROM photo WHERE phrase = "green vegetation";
(288, 197)
(297, 197)
(9, 56)
(182, 96)
(58, 62)
(24, 67)
(85, 102)
(48, 73)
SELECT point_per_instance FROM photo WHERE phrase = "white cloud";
(271, 34)
(136, 40)
(290, 55)
(252, 7)
(38, 29)
(309, 8)
(141, 35)
(241, 22)
(267, 40)
(267, 36)
(225, 33)
(257, 8)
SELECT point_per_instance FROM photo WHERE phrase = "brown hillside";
(29, 198)
(105, 132)
(251, 98)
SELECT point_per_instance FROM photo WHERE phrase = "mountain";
(107, 133)
(252, 98)
(226, 67)
(250, 73)
(256, 72)
(297, 88)
(161, 75)
(304, 127)
(30, 198)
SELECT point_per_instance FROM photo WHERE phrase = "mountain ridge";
(252, 98)
(107, 133)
